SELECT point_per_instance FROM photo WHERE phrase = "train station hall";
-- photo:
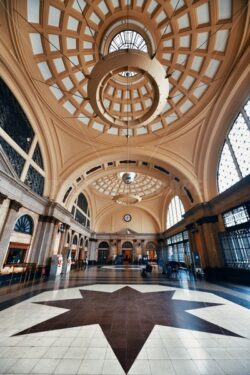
(124, 187)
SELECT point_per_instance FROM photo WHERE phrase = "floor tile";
(95, 353)
(74, 352)
(112, 367)
(67, 366)
(177, 353)
(55, 352)
(161, 367)
(157, 353)
(91, 367)
(185, 367)
(208, 367)
(6, 363)
(140, 367)
(23, 366)
(233, 367)
(85, 349)
(46, 366)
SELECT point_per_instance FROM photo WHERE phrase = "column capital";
(48, 219)
(2, 197)
(14, 205)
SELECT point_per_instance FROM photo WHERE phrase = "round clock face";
(127, 218)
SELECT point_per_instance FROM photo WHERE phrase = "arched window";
(75, 240)
(24, 225)
(235, 156)
(175, 212)
(103, 245)
(82, 203)
(19, 142)
(80, 210)
(128, 39)
(127, 245)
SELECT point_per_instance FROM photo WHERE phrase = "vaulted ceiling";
(127, 80)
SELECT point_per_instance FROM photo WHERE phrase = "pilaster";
(8, 228)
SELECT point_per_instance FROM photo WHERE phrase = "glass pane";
(236, 216)
(16, 255)
(175, 212)
(16, 160)
(37, 156)
(227, 175)
(13, 120)
(82, 203)
(35, 181)
(240, 140)
(24, 225)
(128, 39)
(80, 217)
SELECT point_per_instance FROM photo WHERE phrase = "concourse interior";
(124, 187)
(109, 320)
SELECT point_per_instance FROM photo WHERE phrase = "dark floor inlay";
(127, 318)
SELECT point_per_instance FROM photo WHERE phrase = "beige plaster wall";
(112, 221)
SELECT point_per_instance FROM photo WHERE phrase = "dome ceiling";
(142, 185)
(193, 42)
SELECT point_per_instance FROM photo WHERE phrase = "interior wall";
(112, 221)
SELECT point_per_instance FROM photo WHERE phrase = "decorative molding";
(208, 219)
(2, 197)
(14, 205)
(48, 219)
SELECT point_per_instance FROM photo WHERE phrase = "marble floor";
(112, 321)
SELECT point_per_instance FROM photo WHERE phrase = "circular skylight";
(113, 185)
(128, 39)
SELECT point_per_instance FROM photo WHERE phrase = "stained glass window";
(24, 225)
(15, 125)
(80, 210)
(235, 157)
(82, 203)
(37, 156)
(13, 120)
(175, 212)
(80, 217)
(34, 180)
(16, 160)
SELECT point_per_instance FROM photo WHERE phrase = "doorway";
(103, 253)
(127, 252)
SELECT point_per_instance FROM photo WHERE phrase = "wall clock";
(127, 218)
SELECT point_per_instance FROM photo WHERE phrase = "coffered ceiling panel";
(192, 41)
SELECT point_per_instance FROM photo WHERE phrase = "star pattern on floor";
(127, 317)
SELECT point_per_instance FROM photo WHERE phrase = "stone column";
(143, 249)
(119, 248)
(63, 239)
(77, 249)
(3, 209)
(208, 230)
(134, 251)
(43, 241)
(204, 239)
(92, 251)
(8, 228)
